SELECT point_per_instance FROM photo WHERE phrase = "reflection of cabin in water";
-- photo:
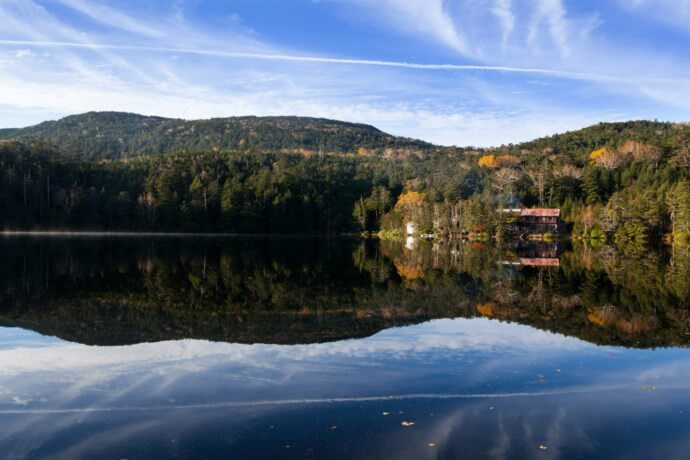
(539, 262)
(535, 254)
(540, 255)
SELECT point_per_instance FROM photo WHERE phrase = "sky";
(452, 72)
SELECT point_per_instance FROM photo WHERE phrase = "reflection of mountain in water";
(117, 291)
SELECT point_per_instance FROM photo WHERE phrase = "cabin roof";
(541, 212)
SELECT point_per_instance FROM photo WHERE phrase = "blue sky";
(454, 72)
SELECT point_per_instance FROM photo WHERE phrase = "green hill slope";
(115, 135)
(578, 144)
(7, 132)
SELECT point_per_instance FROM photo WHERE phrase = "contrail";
(294, 402)
(316, 59)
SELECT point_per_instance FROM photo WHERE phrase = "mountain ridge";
(113, 135)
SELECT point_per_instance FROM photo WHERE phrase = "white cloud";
(112, 17)
(426, 19)
(23, 53)
(502, 9)
(552, 15)
(266, 94)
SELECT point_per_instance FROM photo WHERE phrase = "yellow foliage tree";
(409, 201)
(408, 271)
(597, 154)
(487, 161)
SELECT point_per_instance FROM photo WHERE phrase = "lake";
(212, 347)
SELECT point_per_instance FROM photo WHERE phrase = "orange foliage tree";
(487, 161)
(409, 201)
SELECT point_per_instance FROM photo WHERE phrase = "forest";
(626, 182)
(116, 135)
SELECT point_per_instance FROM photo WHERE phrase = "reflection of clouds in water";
(72, 375)
(515, 427)
(312, 401)
(14, 337)
(19, 401)
(170, 387)
(470, 419)
(459, 335)
(673, 370)
(498, 433)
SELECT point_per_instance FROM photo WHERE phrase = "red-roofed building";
(541, 220)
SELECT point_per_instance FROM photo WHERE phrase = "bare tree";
(588, 218)
(504, 179)
(611, 159)
(538, 175)
(68, 199)
(567, 170)
(147, 207)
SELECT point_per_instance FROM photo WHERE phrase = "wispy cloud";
(23, 53)
(112, 17)
(673, 12)
(550, 14)
(428, 19)
(322, 60)
(502, 9)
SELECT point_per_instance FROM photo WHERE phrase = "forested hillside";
(625, 182)
(114, 135)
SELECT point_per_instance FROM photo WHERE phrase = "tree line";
(624, 182)
(247, 192)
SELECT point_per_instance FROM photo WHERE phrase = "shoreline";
(130, 234)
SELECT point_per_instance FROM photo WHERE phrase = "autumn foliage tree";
(487, 161)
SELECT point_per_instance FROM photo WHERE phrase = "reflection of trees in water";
(613, 296)
(222, 288)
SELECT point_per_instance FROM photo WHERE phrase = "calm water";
(314, 348)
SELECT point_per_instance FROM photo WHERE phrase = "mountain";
(578, 145)
(627, 181)
(7, 132)
(114, 135)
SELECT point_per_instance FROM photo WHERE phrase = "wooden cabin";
(541, 220)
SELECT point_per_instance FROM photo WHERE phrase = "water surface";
(316, 348)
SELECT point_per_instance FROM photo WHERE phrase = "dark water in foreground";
(314, 348)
